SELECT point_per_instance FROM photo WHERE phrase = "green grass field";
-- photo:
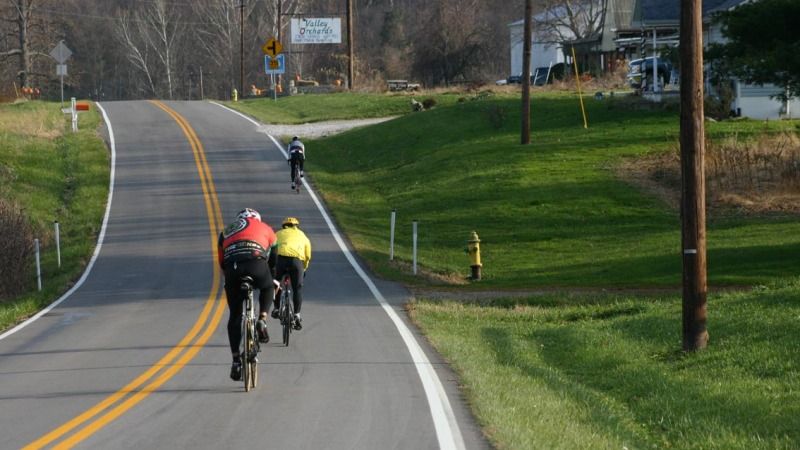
(53, 174)
(549, 214)
(606, 372)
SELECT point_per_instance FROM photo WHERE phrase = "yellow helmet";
(291, 221)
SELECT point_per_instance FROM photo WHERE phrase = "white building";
(545, 50)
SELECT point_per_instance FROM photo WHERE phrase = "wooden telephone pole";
(350, 57)
(693, 189)
(525, 138)
(241, 49)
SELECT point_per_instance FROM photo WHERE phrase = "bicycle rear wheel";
(246, 356)
(252, 361)
(286, 310)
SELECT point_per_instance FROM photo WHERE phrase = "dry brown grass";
(755, 176)
(43, 121)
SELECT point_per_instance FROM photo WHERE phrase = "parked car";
(545, 75)
(637, 67)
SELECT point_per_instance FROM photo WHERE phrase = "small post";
(38, 265)
(58, 243)
(74, 116)
(414, 240)
(391, 235)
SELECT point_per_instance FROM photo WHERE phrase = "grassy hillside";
(314, 108)
(549, 214)
(53, 174)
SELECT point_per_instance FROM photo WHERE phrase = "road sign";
(61, 53)
(276, 65)
(61, 70)
(272, 47)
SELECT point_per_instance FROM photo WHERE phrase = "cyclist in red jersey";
(243, 249)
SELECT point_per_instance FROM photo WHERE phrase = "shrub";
(496, 115)
(429, 103)
(16, 251)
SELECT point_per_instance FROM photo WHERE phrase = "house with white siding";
(659, 22)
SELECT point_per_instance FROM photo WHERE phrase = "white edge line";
(448, 432)
(100, 237)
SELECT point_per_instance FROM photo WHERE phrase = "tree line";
(187, 49)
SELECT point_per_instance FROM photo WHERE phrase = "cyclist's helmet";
(290, 222)
(295, 138)
(248, 212)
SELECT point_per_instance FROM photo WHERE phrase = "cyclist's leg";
(280, 270)
(234, 297)
(302, 163)
(293, 165)
(296, 270)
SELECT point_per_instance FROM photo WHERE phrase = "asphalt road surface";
(136, 356)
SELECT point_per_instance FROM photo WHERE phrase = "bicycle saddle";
(247, 282)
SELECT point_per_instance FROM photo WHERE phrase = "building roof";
(650, 13)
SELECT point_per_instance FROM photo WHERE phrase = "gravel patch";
(317, 129)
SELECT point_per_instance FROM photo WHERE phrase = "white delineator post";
(74, 116)
(38, 266)
(391, 235)
(58, 243)
(414, 240)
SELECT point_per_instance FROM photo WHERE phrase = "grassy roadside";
(55, 175)
(341, 106)
(550, 214)
(597, 372)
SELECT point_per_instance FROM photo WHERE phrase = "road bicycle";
(249, 347)
(286, 307)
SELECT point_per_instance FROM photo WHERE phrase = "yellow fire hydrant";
(235, 95)
(474, 252)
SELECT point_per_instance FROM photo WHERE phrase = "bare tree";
(29, 35)
(565, 20)
(161, 27)
(135, 50)
(451, 41)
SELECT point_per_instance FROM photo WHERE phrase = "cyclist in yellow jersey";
(293, 255)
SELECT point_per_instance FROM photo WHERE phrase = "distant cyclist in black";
(297, 155)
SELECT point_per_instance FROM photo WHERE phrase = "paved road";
(137, 355)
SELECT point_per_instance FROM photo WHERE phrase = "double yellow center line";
(137, 390)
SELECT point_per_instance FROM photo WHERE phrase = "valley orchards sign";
(317, 31)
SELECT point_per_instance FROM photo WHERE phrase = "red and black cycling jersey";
(245, 239)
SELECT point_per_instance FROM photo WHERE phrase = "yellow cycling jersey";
(292, 242)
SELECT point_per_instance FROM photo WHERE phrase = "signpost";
(274, 62)
(272, 47)
(61, 54)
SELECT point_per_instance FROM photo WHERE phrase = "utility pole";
(350, 57)
(526, 77)
(241, 49)
(693, 190)
(278, 20)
